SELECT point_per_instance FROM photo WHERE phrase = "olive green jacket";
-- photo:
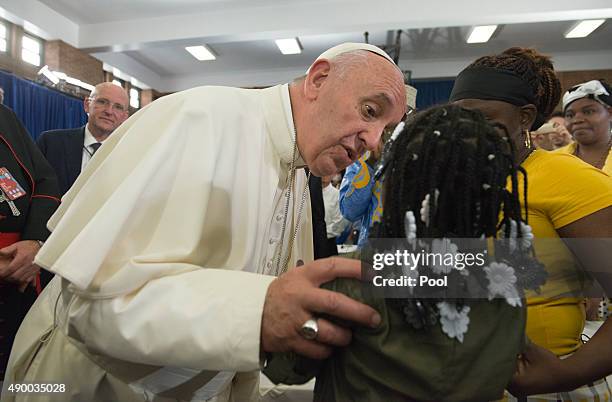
(396, 362)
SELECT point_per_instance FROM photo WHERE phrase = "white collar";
(279, 120)
(89, 138)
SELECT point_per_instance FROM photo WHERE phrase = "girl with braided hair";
(430, 347)
(567, 198)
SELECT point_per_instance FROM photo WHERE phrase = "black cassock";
(20, 157)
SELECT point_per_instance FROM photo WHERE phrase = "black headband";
(492, 84)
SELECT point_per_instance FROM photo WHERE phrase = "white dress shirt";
(335, 223)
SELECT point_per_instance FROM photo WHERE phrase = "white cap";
(592, 89)
(351, 47)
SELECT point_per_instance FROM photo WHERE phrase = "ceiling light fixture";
(289, 46)
(584, 28)
(201, 52)
(481, 33)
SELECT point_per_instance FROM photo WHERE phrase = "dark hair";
(534, 68)
(456, 152)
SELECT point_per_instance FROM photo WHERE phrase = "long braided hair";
(466, 168)
(453, 152)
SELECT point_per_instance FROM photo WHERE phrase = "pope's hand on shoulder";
(295, 297)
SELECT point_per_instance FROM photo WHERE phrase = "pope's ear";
(317, 75)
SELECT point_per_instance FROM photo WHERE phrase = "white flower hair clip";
(502, 282)
(526, 231)
(410, 227)
(425, 205)
(454, 322)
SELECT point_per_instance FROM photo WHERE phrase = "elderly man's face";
(350, 113)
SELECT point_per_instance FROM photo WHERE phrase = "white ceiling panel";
(146, 38)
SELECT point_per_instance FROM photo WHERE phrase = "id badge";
(10, 187)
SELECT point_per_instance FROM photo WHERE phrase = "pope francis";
(171, 251)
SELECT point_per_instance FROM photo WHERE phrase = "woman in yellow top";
(588, 109)
(588, 113)
(567, 198)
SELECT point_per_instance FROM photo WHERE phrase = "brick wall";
(58, 55)
(149, 95)
(570, 78)
(146, 96)
(62, 57)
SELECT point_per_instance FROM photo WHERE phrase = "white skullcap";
(350, 47)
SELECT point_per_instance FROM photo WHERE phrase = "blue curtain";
(41, 108)
(432, 93)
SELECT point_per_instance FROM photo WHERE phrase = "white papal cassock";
(163, 251)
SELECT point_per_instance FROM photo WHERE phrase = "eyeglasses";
(103, 103)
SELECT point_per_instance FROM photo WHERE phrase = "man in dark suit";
(68, 151)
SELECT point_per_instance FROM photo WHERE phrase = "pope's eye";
(369, 111)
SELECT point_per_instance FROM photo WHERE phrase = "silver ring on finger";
(310, 329)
